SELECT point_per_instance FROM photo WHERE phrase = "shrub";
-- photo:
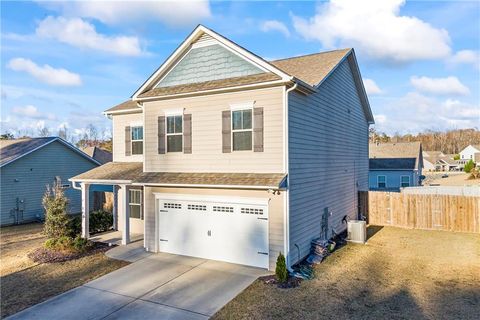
(456, 157)
(75, 226)
(469, 166)
(56, 218)
(80, 244)
(100, 221)
(281, 271)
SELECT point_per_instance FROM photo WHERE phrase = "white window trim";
(173, 134)
(136, 204)
(240, 130)
(136, 125)
(401, 177)
(242, 105)
(378, 182)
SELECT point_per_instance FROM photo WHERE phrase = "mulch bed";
(43, 255)
(292, 282)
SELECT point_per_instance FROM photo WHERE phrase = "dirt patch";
(25, 283)
(16, 242)
(398, 274)
(43, 255)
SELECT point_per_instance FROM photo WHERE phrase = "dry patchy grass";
(25, 283)
(399, 274)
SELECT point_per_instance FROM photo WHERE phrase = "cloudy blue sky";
(63, 63)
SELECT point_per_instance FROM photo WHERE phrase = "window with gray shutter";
(187, 133)
(258, 129)
(161, 135)
(226, 132)
(128, 141)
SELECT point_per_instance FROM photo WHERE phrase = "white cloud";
(82, 34)
(415, 113)
(371, 87)
(45, 73)
(275, 25)
(375, 28)
(113, 12)
(444, 86)
(380, 119)
(32, 112)
(466, 57)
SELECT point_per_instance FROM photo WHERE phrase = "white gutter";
(211, 186)
(286, 218)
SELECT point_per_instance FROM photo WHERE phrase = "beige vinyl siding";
(207, 153)
(276, 214)
(120, 121)
(328, 158)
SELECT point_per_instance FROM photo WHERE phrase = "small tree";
(469, 166)
(281, 271)
(456, 157)
(56, 218)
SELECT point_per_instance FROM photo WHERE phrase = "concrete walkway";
(158, 286)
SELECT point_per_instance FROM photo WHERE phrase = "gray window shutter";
(161, 135)
(187, 133)
(258, 129)
(128, 141)
(226, 132)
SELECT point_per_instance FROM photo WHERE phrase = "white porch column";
(126, 216)
(85, 210)
(115, 207)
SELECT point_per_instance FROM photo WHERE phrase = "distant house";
(395, 165)
(471, 152)
(430, 158)
(102, 156)
(28, 165)
(438, 161)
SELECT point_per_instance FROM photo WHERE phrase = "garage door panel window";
(197, 207)
(135, 204)
(222, 209)
(175, 133)
(169, 205)
(242, 130)
(251, 211)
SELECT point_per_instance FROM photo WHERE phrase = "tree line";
(90, 137)
(449, 142)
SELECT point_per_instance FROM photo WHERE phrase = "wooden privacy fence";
(421, 211)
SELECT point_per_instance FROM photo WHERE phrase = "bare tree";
(43, 132)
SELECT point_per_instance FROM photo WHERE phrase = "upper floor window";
(135, 203)
(175, 133)
(137, 140)
(405, 181)
(381, 182)
(242, 130)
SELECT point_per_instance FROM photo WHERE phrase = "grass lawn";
(25, 283)
(399, 274)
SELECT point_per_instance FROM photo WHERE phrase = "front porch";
(115, 237)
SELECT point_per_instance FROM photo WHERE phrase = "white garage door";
(233, 230)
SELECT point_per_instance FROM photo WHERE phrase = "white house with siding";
(223, 155)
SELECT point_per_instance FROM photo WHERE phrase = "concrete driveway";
(159, 286)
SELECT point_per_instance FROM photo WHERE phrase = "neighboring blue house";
(395, 165)
(27, 166)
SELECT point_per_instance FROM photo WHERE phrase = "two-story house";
(223, 155)
(395, 165)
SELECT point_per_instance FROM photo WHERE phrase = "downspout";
(74, 185)
(286, 221)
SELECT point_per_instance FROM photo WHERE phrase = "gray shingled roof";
(102, 156)
(11, 150)
(401, 155)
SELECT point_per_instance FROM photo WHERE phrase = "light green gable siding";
(27, 177)
(208, 63)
